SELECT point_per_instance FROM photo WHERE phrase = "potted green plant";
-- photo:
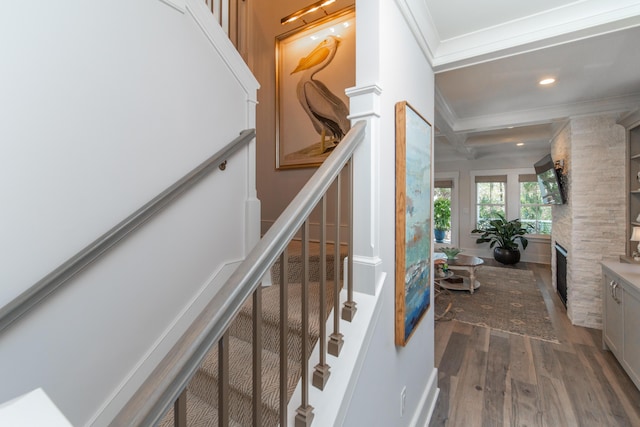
(441, 218)
(504, 235)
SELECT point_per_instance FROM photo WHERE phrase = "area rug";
(508, 300)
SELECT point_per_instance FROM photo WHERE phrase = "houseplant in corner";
(441, 218)
(504, 235)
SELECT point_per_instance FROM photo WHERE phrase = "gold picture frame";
(413, 220)
(314, 66)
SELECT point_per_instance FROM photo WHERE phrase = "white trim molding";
(219, 40)
(179, 5)
(418, 19)
(571, 22)
(365, 105)
(427, 403)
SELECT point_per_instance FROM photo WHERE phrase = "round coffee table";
(465, 263)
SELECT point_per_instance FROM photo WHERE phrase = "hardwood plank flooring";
(491, 378)
(497, 369)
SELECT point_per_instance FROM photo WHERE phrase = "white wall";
(390, 58)
(103, 106)
(539, 249)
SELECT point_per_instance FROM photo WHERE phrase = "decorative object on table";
(413, 220)
(508, 300)
(451, 253)
(314, 66)
(504, 235)
(635, 237)
(442, 269)
(441, 218)
(638, 218)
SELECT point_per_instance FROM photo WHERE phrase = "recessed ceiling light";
(547, 81)
(520, 144)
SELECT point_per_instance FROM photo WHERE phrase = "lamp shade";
(635, 235)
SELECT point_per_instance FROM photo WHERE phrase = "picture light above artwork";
(305, 10)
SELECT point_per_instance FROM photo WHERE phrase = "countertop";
(629, 272)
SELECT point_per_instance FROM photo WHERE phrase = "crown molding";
(443, 108)
(418, 19)
(564, 24)
(619, 104)
(631, 119)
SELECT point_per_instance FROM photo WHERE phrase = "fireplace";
(561, 273)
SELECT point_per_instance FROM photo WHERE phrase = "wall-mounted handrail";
(169, 379)
(52, 281)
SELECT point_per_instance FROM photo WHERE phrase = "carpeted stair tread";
(242, 325)
(199, 414)
(295, 268)
(203, 388)
(205, 382)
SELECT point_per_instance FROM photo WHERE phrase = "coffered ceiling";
(490, 55)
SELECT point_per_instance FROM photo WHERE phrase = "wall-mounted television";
(550, 182)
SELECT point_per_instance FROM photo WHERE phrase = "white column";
(365, 105)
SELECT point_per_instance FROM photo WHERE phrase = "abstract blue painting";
(413, 220)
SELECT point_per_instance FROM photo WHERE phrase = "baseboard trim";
(123, 392)
(427, 403)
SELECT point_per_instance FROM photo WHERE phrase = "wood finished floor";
(491, 378)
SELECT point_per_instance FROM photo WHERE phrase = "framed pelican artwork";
(314, 66)
(413, 220)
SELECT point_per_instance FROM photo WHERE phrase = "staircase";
(202, 391)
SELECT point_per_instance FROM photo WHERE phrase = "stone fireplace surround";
(591, 225)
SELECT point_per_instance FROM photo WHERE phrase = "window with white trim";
(446, 185)
(442, 189)
(490, 198)
(532, 210)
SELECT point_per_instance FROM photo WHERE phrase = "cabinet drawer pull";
(615, 292)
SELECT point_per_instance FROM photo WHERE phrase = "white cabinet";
(621, 315)
(631, 338)
(612, 319)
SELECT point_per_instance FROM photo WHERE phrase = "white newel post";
(365, 105)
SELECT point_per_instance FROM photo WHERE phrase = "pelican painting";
(327, 112)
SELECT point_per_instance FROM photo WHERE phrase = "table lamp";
(635, 237)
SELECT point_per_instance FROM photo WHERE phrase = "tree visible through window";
(442, 190)
(490, 198)
(532, 210)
